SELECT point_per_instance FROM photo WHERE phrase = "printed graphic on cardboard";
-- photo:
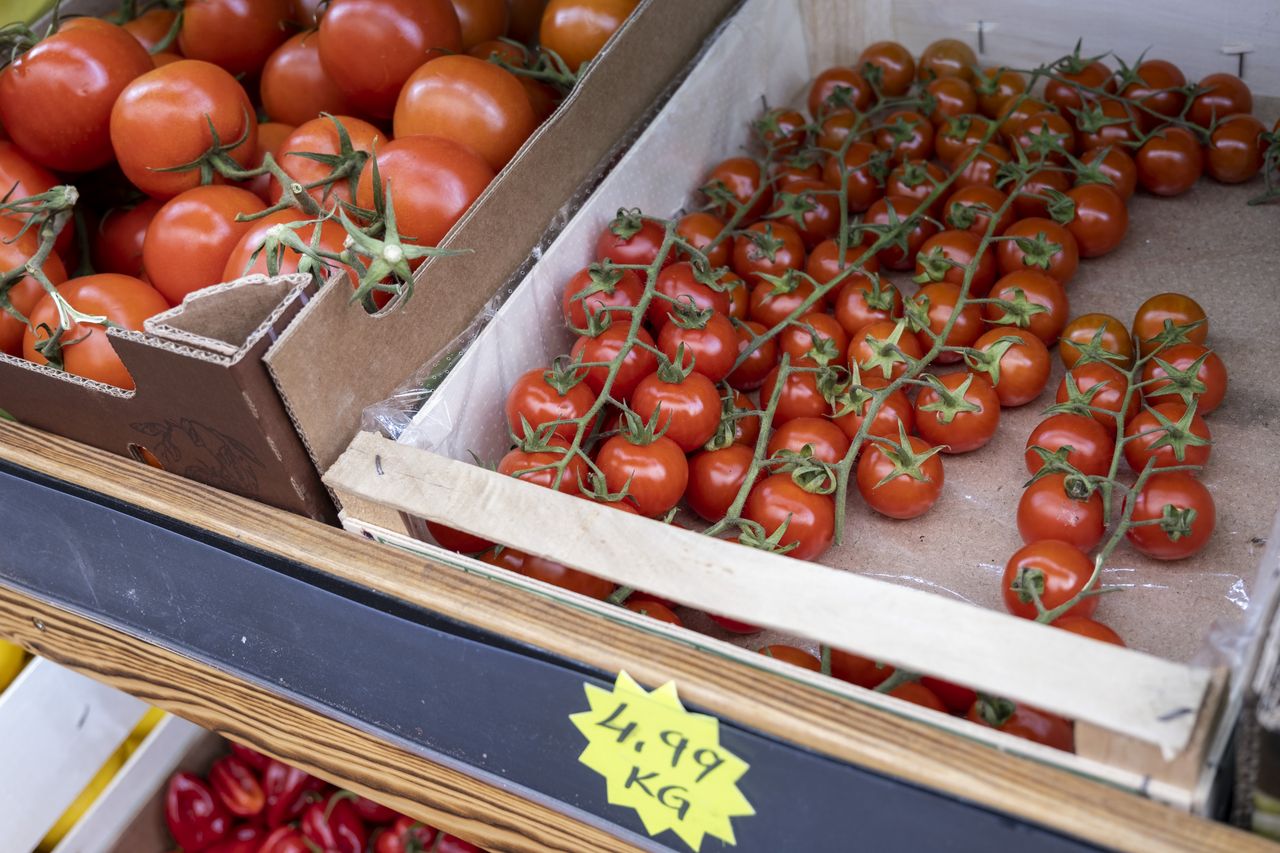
(663, 761)
(201, 453)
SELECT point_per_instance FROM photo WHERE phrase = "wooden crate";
(1143, 722)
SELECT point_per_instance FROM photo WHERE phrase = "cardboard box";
(205, 405)
(1150, 718)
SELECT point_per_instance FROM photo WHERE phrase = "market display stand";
(447, 695)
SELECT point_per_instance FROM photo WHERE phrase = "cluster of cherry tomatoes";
(742, 363)
(249, 803)
(156, 122)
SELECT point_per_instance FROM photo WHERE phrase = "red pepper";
(237, 786)
(334, 825)
(252, 757)
(196, 819)
(371, 812)
(286, 839)
(245, 838)
(283, 787)
(454, 844)
(406, 835)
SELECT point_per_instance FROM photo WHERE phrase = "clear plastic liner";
(1208, 609)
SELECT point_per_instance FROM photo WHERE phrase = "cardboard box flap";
(326, 390)
(229, 318)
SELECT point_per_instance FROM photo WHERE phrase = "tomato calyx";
(949, 403)
(886, 354)
(962, 216)
(686, 314)
(1090, 171)
(727, 431)
(1186, 384)
(1094, 351)
(901, 129)
(1054, 462)
(642, 433)
(791, 206)
(1042, 144)
(1074, 63)
(782, 285)
(1172, 334)
(547, 66)
(1028, 586)
(1017, 311)
(1176, 435)
(993, 710)
(906, 461)
(563, 375)
(673, 371)
(1175, 521)
(822, 351)
(1078, 402)
(809, 473)
(765, 246)
(894, 234)
(596, 489)
(752, 534)
(1037, 251)
(284, 236)
(217, 158)
(627, 223)
(1061, 207)
(934, 265)
(346, 165)
(987, 360)
(848, 397)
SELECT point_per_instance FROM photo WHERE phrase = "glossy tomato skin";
(1037, 288)
(1235, 150)
(653, 609)
(1170, 162)
(1116, 165)
(530, 466)
(238, 35)
(1024, 366)
(939, 300)
(979, 166)
(952, 97)
(1226, 95)
(679, 284)
(896, 409)
(320, 136)
(192, 236)
(690, 408)
(582, 297)
(1029, 724)
(810, 517)
(767, 248)
(295, 88)
(713, 348)
(1092, 447)
(957, 134)
(1089, 628)
(1110, 396)
(817, 337)
(15, 250)
(457, 540)
(967, 430)
(1101, 219)
(854, 312)
(241, 262)
(617, 244)
(369, 48)
(123, 300)
(117, 242)
(838, 88)
(972, 208)
(903, 496)
(578, 29)
(1081, 331)
(1183, 492)
(960, 248)
(895, 64)
(1144, 430)
(1177, 309)
(1066, 97)
(700, 229)
(820, 216)
(159, 121)
(772, 305)
(995, 88)
(481, 20)
(468, 100)
(1061, 264)
(906, 135)
(741, 177)
(826, 441)
(435, 180)
(824, 263)
(1047, 511)
(1064, 569)
(1212, 374)
(893, 210)
(1031, 200)
(862, 349)
(863, 187)
(534, 400)
(1157, 87)
(655, 475)
(56, 98)
(715, 478)
(751, 374)
(800, 396)
(151, 27)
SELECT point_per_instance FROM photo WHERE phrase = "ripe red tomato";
(894, 66)
(952, 97)
(369, 48)
(1044, 245)
(817, 337)
(826, 441)
(1175, 311)
(237, 35)
(1107, 124)
(824, 263)
(457, 540)
(956, 698)
(294, 85)
(481, 20)
(631, 239)
(535, 400)
(1022, 368)
(1089, 628)
(682, 284)
(918, 694)
(972, 208)
(947, 58)
(1088, 445)
(979, 166)
(434, 181)
(653, 609)
(162, 119)
(906, 135)
(1081, 331)
(772, 304)
(578, 29)
(56, 98)
(1116, 166)
(957, 134)
(810, 207)
(937, 301)
(654, 475)
(117, 242)
(889, 485)
(1087, 75)
(600, 350)
(1112, 386)
(809, 517)
(1032, 199)
(1022, 291)
(471, 101)
(715, 478)
(1101, 219)
(1207, 385)
(916, 180)
(1157, 86)
(1024, 722)
(151, 27)
(959, 428)
(712, 346)
(1185, 509)
(550, 572)
(700, 229)
(594, 289)
(1056, 571)
(1041, 134)
(872, 349)
(767, 248)
(271, 135)
(24, 295)
(751, 374)
(333, 236)
(859, 303)
(858, 670)
(320, 136)
(1235, 150)
(800, 397)
(1170, 162)
(1145, 430)
(192, 236)
(1224, 95)
(995, 88)
(793, 656)
(836, 89)
(892, 213)
(690, 408)
(896, 409)
(533, 466)
(947, 255)
(1015, 113)
(122, 299)
(859, 169)
(732, 184)
(1047, 510)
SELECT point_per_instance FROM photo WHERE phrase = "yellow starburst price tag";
(663, 761)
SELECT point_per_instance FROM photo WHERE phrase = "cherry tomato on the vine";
(1039, 244)
(1101, 219)
(690, 408)
(713, 345)
(737, 183)
(1184, 509)
(601, 349)
(895, 489)
(767, 248)
(654, 475)
(536, 400)
(882, 349)
(947, 256)
(826, 441)
(890, 217)
(1052, 570)
(809, 517)
(1054, 507)
(1171, 378)
(1022, 368)
(1177, 445)
(1086, 444)
(1031, 300)
(534, 466)
(595, 289)
(1235, 150)
(16, 249)
(801, 395)
(1170, 162)
(577, 29)
(751, 374)
(966, 422)
(117, 242)
(937, 301)
(1103, 388)
(1169, 318)
(193, 235)
(715, 478)
(1111, 334)
(895, 66)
